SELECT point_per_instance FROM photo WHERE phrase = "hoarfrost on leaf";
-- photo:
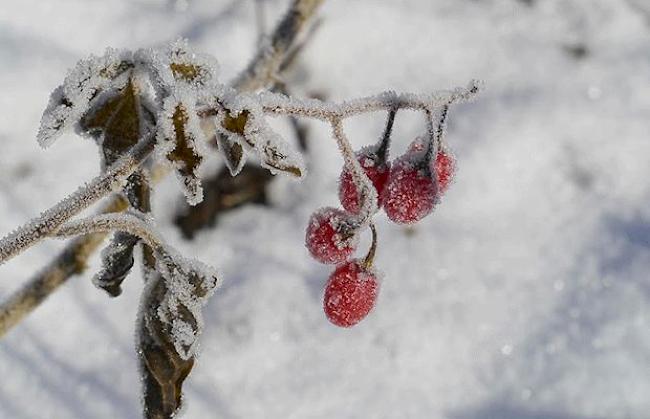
(180, 140)
(80, 89)
(188, 285)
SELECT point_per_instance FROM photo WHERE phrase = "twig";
(263, 70)
(367, 193)
(106, 223)
(71, 261)
(278, 104)
(51, 219)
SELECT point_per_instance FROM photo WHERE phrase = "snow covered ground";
(525, 296)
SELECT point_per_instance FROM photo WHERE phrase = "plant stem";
(264, 68)
(71, 261)
(367, 192)
(370, 257)
(384, 142)
(50, 220)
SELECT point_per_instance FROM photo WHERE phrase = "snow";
(524, 295)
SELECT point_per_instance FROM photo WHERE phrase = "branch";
(263, 70)
(71, 261)
(111, 180)
(278, 104)
(106, 223)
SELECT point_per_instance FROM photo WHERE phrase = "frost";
(189, 284)
(117, 261)
(232, 151)
(80, 88)
(177, 65)
(243, 122)
(180, 142)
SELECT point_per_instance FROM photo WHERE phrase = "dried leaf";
(183, 154)
(163, 370)
(275, 154)
(80, 90)
(169, 326)
(223, 193)
(235, 124)
(117, 257)
(232, 152)
(117, 261)
(187, 72)
(118, 121)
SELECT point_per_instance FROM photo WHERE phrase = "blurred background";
(526, 295)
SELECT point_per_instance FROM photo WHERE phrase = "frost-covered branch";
(104, 223)
(71, 261)
(274, 103)
(109, 181)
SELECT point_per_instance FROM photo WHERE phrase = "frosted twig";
(274, 103)
(71, 261)
(127, 223)
(263, 70)
(367, 193)
(110, 180)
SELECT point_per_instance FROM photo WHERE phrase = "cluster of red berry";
(407, 189)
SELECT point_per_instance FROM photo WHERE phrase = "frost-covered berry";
(411, 191)
(444, 166)
(417, 145)
(350, 294)
(329, 238)
(376, 170)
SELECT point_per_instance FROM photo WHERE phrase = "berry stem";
(367, 193)
(436, 133)
(370, 257)
(384, 143)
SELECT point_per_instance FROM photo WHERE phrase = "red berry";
(350, 294)
(417, 145)
(444, 167)
(411, 192)
(376, 171)
(329, 238)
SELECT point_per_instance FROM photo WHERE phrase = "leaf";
(182, 152)
(163, 369)
(251, 128)
(117, 261)
(117, 121)
(276, 155)
(224, 193)
(178, 65)
(168, 328)
(186, 72)
(235, 124)
(80, 89)
(117, 257)
(232, 152)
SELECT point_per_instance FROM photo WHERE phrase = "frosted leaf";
(117, 261)
(243, 121)
(232, 151)
(189, 284)
(275, 154)
(80, 88)
(177, 65)
(179, 138)
(163, 369)
(118, 119)
(117, 257)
